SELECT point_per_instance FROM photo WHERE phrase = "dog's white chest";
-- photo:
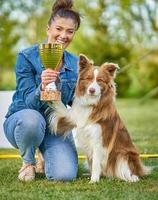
(80, 115)
(89, 138)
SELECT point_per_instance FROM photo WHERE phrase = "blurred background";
(120, 31)
(124, 32)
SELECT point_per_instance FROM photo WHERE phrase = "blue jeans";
(26, 130)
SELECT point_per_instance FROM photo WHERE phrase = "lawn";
(141, 121)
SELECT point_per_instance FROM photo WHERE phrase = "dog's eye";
(101, 80)
(87, 78)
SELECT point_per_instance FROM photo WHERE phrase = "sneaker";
(27, 173)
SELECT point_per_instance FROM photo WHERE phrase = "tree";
(111, 31)
(121, 32)
(14, 16)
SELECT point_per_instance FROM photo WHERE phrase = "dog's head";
(95, 82)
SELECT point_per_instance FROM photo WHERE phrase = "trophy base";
(50, 96)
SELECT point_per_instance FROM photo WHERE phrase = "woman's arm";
(27, 87)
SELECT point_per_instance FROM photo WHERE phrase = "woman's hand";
(48, 76)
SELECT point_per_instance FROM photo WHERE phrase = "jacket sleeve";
(27, 87)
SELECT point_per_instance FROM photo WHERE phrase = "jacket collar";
(67, 65)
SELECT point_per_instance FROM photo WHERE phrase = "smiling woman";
(61, 31)
(26, 125)
(63, 23)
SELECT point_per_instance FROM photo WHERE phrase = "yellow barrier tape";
(149, 155)
(82, 157)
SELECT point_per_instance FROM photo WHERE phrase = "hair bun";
(62, 4)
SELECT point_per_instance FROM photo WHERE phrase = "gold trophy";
(51, 55)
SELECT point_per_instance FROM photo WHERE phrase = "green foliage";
(12, 34)
(149, 70)
(7, 41)
(7, 79)
(111, 31)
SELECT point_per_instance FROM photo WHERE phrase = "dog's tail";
(136, 166)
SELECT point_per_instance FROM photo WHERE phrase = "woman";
(26, 126)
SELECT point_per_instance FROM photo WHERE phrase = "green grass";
(141, 121)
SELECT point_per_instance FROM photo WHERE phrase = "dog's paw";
(130, 178)
(134, 178)
(94, 180)
(53, 122)
(59, 108)
(53, 104)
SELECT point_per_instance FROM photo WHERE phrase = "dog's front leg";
(61, 121)
(59, 109)
(96, 167)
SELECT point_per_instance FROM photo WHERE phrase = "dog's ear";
(111, 68)
(84, 62)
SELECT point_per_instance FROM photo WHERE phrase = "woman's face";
(61, 31)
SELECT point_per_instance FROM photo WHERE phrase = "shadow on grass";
(40, 176)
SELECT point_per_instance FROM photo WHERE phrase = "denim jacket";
(28, 71)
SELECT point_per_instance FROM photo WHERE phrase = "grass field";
(141, 121)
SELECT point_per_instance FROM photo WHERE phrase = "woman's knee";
(30, 126)
(32, 121)
(68, 173)
(61, 161)
(62, 166)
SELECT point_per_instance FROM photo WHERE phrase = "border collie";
(100, 132)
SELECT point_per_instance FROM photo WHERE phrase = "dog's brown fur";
(115, 137)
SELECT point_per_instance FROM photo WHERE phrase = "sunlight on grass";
(141, 122)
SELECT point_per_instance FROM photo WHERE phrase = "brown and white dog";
(100, 131)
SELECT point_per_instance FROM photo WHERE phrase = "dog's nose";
(91, 90)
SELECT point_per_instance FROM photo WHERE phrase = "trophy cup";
(51, 55)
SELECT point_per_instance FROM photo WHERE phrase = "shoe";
(27, 173)
(39, 167)
(40, 163)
